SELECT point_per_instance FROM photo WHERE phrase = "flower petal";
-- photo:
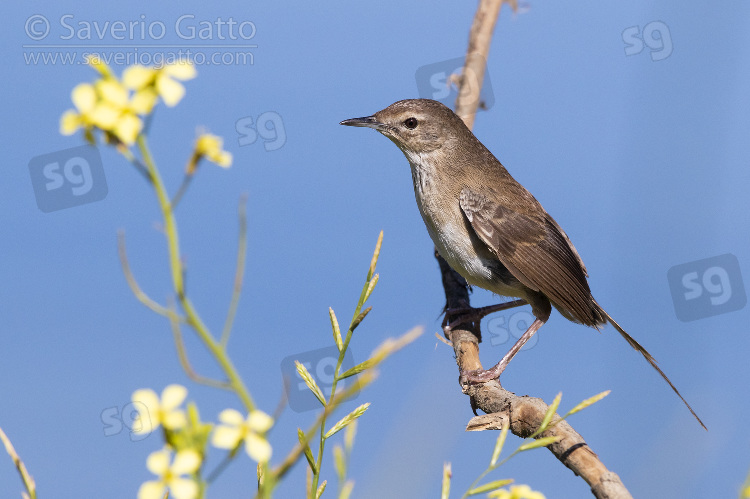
(231, 417)
(258, 448)
(151, 490)
(186, 461)
(146, 402)
(84, 97)
(260, 421)
(113, 92)
(173, 396)
(223, 159)
(137, 76)
(174, 420)
(97, 63)
(183, 488)
(127, 129)
(226, 437)
(182, 70)
(147, 397)
(143, 101)
(158, 462)
(169, 90)
(104, 115)
(70, 121)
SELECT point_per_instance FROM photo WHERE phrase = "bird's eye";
(411, 123)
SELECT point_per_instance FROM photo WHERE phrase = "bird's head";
(416, 126)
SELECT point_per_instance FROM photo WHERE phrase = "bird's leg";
(481, 376)
(471, 314)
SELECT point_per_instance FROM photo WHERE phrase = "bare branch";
(477, 54)
(523, 414)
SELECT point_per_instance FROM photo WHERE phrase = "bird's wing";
(532, 246)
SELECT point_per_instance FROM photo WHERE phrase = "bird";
(488, 227)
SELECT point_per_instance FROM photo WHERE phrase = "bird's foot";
(475, 315)
(481, 375)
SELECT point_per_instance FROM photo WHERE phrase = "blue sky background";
(642, 158)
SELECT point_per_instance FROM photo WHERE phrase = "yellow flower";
(143, 101)
(185, 462)
(210, 146)
(169, 89)
(150, 83)
(516, 492)
(103, 105)
(236, 428)
(95, 62)
(127, 128)
(108, 105)
(84, 99)
(153, 412)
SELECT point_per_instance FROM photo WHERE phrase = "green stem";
(193, 319)
(170, 226)
(347, 339)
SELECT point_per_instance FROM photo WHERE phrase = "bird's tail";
(651, 361)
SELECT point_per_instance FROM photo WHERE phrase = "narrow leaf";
(347, 419)
(499, 444)
(359, 318)
(339, 462)
(375, 256)
(346, 490)
(589, 401)
(548, 416)
(489, 487)
(540, 442)
(321, 489)
(349, 434)
(336, 329)
(310, 382)
(447, 474)
(363, 366)
(371, 286)
(307, 451)
(385, 349)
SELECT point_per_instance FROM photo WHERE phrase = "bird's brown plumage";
(486, 225)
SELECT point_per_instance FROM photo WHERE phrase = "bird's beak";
(367, 121)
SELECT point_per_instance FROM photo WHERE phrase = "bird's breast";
(453, 235)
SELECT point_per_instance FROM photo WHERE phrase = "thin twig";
(134, 287)
(26, 478)
(224, 463)
(477, 54)
(341, 396)
(356, 319)
(182, 190)
(239, 272)
(178, 282)
(182, 354)
(128, 154)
